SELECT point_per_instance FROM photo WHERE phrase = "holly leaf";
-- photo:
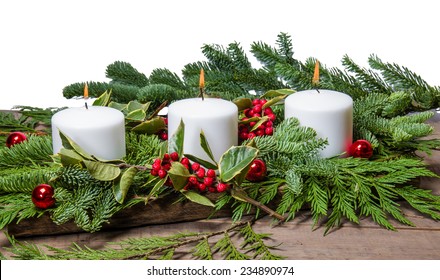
(276, 93)
(243, 103)
(121, 187)
(150, 126)
(118, 106)
(134, 105)
(175, 143)
(103, 99)
(260, 122)
(205, 145)
(197, 198)
(273, 101)
(239, 194)
(68, 143)
(136, 115)
(202, 162)
(69, 157)
(102, 171)
(178, 175)
(235, 162)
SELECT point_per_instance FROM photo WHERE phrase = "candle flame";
(315, 79)
(202, 79)
(86, 91)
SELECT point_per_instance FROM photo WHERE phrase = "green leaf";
(150, 126)
(235, 161)
(118, 106)
(103, 99)
(243, 103)
(136, 115)
(197, 198)
(277, 93)
(69, 157)
(68, 143)
(260, 122)
(175, 143)
(134, 106)
(273, 101)
(156, 187)
(178, 175)
(205, 145)
(102, 171)
(121, 187)
(202, 162)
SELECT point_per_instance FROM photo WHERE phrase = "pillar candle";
(329, 113)
(98, 130)
(217, 118)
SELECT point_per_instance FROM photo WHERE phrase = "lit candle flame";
(202, 83)
(86, 91)
(315, 79)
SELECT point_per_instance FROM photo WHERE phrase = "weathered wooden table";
(297, 239)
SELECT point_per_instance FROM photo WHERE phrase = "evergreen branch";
(26, 178)
(35, 151)
(166, 77)
(16, 207)
(124, 73)
(120, 92)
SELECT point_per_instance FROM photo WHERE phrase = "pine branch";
(120, 92)
(124, 73)
(35, 151)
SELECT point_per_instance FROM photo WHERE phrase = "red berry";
(174, 156)
(259, 132)
(166, 157)
(257, 109)
(184, 161)
(154, 172)
(193, 180)
(195, 166)
(268, 111)
(243, 135)
(251, 135)
(271, 117)
(201, 173)
(167, 166)
(269, 131)
(165, 120)
(221, 187)
(212, 189)
(256, 102)
(268, 123)
(251, 124)
(256, 115)
(163, 135)
(201, 187)
(210, 173)
(208, 181)
(156, 166)
(263, 101)
(162, 173)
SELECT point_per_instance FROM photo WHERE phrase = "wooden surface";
(297, 239)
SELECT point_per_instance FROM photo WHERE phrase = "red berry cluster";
(201, 179)
(163, 134)
(246, 130)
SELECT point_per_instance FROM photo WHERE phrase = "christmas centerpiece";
(247, 144)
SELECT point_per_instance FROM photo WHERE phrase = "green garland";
(391, 107)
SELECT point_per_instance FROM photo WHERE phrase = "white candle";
(329, 113)
(98, 130)
(216, 117)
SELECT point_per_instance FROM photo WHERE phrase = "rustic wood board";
(160, 211)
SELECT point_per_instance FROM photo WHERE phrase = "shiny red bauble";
(42, 196)
(361, 149)
(15, 138)
(257, 171)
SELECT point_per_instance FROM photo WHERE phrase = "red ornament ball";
(361, 149)
(15, 138)
(257, 172)
(42, 196)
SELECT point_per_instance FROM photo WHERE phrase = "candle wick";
(87, 107)
(202, 93)
(317, 90)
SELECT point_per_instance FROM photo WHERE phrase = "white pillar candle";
(98, 130)
(329, 113)
(216, 117)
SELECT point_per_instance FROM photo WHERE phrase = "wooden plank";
(160, 211)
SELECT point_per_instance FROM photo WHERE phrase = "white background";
(46, 45)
